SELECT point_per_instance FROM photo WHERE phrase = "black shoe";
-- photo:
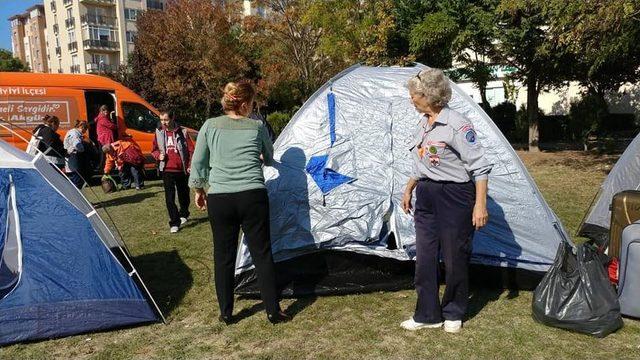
(227, 319)
(279, 317)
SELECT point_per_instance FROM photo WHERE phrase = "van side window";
(139, 117)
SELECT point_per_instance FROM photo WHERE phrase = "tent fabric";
(625, 175)
(318, 167)
(375, 121)
(70, 282)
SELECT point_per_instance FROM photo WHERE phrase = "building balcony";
(93, 68)
(155, 4)
(99, 2)
(98, 20)
(75, 69)
(67, 2)
(58, 51)
(73, 46)
(101, 45)
(70, 22)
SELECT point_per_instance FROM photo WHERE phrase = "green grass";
(178, 269)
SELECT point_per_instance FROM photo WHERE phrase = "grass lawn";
(178, 269)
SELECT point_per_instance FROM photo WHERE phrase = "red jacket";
(105, 129)
(114, 158)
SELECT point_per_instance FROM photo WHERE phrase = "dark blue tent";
(59, 274)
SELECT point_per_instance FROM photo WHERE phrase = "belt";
(445, 181)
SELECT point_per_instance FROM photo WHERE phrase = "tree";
(190, 50)
(458, 33)
(473, 46)
(430, 40)
(523, 43)
(285, 48)
(9, 63)
(603, 37)
(354, 31)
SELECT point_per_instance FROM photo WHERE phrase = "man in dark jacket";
(172, 148)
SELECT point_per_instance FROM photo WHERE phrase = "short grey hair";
(433, 84)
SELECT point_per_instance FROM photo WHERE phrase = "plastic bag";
(576, 294)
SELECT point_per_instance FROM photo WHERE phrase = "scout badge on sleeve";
(469, 134)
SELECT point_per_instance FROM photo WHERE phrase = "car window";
(139, 117)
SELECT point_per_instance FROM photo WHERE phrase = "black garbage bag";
(576, 293)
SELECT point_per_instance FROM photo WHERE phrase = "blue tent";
(59, 274)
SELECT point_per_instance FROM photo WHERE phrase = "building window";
(72, 36)
(100, 59)
(130, 14)
(131, 36)
(100, 33)
(155, 4)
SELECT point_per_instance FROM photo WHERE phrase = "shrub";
(278, 120)
(504, 116)
(586, 116)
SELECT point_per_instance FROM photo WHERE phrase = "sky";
(9, 8)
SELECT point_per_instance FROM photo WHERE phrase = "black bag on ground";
(576, 294)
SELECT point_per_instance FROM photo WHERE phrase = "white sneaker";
(174, 229)
(183, 221)
(413, 326)
(453, 326)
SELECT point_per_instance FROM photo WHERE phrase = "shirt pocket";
(433, 152)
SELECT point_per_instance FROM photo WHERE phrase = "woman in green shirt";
(228, 158)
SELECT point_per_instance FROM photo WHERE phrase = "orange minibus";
(25, 98)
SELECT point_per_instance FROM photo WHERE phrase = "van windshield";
(139, 117)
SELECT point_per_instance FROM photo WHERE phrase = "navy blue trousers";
(444, 226)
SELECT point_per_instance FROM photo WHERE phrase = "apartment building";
(28, 38)
(250, 7)
(93, 36)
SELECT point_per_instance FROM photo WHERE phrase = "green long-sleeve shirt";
(227, 155)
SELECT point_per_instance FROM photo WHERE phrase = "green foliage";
(520, 133)
(278, 121)
(586, 116)
(504, 116)
(430, 40)
(354, 31)
(9, 63)
(603, 37)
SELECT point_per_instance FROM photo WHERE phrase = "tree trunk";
(482, 87)
(532, 112)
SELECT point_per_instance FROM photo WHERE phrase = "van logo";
(25, 113)
(24, 91)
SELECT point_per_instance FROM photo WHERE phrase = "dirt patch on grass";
(577, 160)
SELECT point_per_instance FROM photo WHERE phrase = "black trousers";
(443, 221)
(227, 214)
(176, 182)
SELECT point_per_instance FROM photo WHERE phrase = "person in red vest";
(127, 157)
(172, 148)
